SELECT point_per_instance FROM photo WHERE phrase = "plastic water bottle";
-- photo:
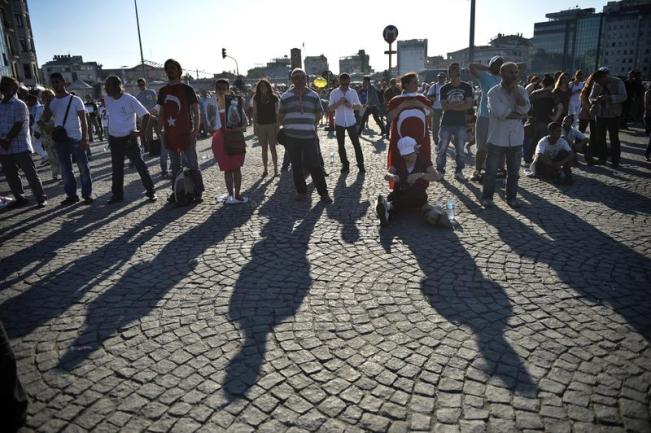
(332, 157)
(450, 209)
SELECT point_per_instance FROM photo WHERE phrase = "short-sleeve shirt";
(572, 135)
(486, 82)
(122, 114)
(176, 101)
(147, 98)
(435, 92)
(300, 114)
(58, 108)
(344, 116)
(451, 93)
(266, 110)
(544, 147)
(11, 112)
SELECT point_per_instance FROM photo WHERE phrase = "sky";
(255, 31)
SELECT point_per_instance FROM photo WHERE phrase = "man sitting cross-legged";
(553, 157)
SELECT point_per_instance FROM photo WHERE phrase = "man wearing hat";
(434, 94)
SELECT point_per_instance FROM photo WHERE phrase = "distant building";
(357, 63)
(296, 59)
(150, 71)
(5, 68)
(279, 68)
(73, 68)
(412, 55)
(19, 42)
(568, 41)
(513, 48)
(626, 37)
(316, 65)
(437, 62)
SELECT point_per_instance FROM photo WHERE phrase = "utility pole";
(471, 43)
(142, 58)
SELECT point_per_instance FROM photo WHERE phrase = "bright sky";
(254, 31)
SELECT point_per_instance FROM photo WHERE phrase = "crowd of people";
(542, 122)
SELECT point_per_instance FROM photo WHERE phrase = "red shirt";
(176, 101)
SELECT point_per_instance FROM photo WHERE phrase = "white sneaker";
(241, 200)
(222, 198)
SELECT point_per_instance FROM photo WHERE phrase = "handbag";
(59, 134)
(281, 137)
(234, 143)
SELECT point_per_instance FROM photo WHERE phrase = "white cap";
(406, 146)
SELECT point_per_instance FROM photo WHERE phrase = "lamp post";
(142, 58)
(471, 43)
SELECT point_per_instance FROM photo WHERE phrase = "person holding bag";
(228, 144)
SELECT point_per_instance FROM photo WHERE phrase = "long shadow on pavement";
(348, 208)
(271, 287)
(457, 289)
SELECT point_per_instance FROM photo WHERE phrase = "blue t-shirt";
(486, 82)
(452, 93)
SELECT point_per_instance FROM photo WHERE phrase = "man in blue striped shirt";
(299, 113)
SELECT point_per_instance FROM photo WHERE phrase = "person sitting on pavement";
(553, 157)
(573, 136)
(410, 174)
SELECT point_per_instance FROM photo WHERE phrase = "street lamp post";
(142, 58)
(471, 44)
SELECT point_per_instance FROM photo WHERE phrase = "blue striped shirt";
(300, 114)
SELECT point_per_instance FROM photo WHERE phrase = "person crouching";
(554, 157)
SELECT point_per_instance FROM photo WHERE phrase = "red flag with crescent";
(176, 101)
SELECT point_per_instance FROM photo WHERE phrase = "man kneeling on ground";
(410, 175)
(553, 158)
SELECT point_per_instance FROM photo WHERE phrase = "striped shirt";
(300, 114)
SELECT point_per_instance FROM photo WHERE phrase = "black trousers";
(11, 164)
(340, 131)
(127, 146)
(304, 156)
(376, 116)
(611, 126)
(13, 401)
(404, 199)
(547, 171)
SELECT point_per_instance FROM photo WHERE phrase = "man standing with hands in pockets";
(343, 100)
(508, 105)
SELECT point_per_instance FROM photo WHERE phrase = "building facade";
(72, 68)
(412, 55)
(355, 64)
(316, 65)
(626, 37)
(5, 68)
(513, 48)
(19, 41)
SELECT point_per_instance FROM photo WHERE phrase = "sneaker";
(326, 199)
(529, 173)
(487, 202)
(88, 201)
(460, 177)
(41, 204)
(114, 199)
(222, 198)
(381, 210)
(151, 195)
(514, 203)
(70, 200)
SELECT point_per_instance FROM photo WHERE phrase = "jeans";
(23, 160)
(69, 150)
(189, 156)
(445, 134)
(341, 138)
(127, 146)
(493, 158)
(376, 116)
(436, 124)
(304, 152)
(608, 125)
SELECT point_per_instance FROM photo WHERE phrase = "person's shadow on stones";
(456, 288)
(271, 287)
(348, 208)
(143, 285)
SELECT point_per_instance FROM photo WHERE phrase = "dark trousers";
(544, 169)
(354, 138)
(535, 131)
(495, 156)
(94, 123)
(13, 401)
(376, 116)
(23, 160)
(121, 147)
(605, 125)
(404, 199)
(304, 155)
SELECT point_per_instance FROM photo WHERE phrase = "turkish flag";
(176, 100)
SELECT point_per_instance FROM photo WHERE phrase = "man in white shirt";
(434, 94)
(553, 157)
(343, 101)
(508, 105)
(122, 110)
(69, 112)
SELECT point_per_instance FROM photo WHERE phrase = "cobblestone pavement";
(277, 316)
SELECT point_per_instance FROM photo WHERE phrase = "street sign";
(390, 33)
(390, 52)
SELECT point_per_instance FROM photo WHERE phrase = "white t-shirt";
(344, 116)
(435, 90)
(58, 107)
(544, 147)
(122, 114)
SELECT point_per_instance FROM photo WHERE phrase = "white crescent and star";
(171, 121)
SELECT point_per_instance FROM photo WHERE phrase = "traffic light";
(223, 53)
